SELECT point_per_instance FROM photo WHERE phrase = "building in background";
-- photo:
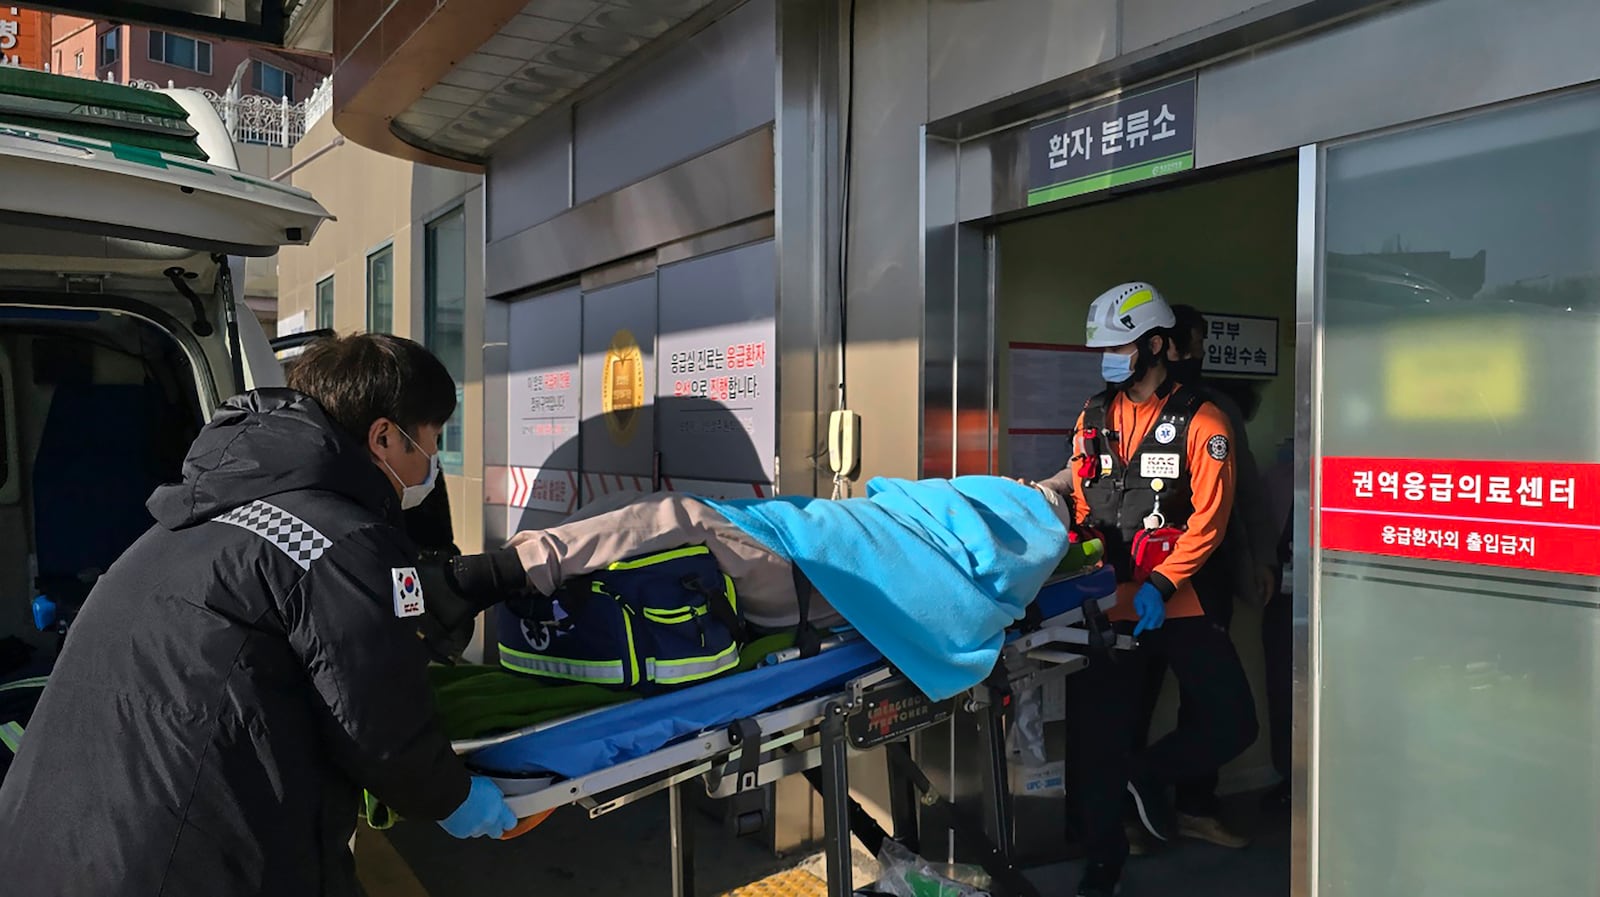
(24, 37)
(266, 97)
(404, 255)
(93, 48)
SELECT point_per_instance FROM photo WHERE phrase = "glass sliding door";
(1459, 510)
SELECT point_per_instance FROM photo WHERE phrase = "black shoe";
(1152, 808)
(1100, 880)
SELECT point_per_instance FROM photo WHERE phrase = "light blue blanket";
(930, 572)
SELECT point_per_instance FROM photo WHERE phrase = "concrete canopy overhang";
(445, 81)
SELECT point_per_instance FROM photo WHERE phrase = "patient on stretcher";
(929, 572)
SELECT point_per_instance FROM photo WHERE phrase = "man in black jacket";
(252, 662)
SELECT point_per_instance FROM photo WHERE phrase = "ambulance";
(124, 228)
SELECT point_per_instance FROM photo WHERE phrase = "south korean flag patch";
(407, 592)
(1217, 447)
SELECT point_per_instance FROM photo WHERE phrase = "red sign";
(1525, 515)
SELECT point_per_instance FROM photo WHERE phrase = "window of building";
(108, 47)
(444, 315)
(380, 290)
(271, 80)
(77, 60)
(324, 309)
(182, 52)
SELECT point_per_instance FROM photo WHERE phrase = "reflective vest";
(1120, 496)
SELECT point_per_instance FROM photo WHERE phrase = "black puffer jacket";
(232, 682)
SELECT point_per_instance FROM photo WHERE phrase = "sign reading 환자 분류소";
(1123, 140)
(1518, 514)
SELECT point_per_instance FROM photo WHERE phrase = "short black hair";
(362, 377)
(1187, 321)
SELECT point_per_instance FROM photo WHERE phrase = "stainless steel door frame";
(1307, 452)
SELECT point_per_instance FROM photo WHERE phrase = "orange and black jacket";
(1110, 442)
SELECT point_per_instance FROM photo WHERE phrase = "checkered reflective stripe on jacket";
(287, 533)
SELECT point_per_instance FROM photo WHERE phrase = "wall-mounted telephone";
(844, 442)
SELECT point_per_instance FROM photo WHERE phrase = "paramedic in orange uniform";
(1149, 455)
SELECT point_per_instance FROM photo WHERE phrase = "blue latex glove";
(483, 814)
(1151, 609)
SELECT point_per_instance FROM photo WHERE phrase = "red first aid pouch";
(1150, 548)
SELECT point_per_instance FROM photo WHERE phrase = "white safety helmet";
(1126, 312)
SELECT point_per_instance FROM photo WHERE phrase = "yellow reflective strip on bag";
(604, 672)
(660, 558)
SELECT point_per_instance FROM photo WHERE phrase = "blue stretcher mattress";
(627, 731)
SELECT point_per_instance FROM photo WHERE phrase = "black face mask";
(1186, 371)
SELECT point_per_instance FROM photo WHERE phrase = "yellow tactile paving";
(793, 883)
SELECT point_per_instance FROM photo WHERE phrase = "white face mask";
(412, 496)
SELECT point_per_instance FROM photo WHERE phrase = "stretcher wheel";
(526, 825)
(747, 824)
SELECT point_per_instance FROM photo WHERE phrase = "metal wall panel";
(883, 359)
(806, 222)
(975, 352)
(705, 92)
(619, 379)
(543, 392)
(496, 329)
(730, 184)
(974, 181)
(716, 324)
(1413, 63)
(1417, 60)
(1146, 22)
(938, 311)
(978, 52)
(530, 177)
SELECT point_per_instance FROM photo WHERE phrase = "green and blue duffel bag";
(647, 623)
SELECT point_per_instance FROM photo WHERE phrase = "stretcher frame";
(808, 737)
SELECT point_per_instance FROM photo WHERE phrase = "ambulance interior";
(96, 410)
(1225, 245)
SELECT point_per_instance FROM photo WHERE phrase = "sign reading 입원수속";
(1123, 140)
(1244, 345)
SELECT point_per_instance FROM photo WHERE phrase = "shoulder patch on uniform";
(1217, 447)
(407, 592)
(289, 534)
(1166, 432)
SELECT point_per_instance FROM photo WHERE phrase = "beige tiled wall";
(377, 200)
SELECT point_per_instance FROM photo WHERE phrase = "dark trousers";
(1197, 795)
(1106, 704)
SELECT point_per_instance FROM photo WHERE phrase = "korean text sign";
(1124, 140)
(1523, 515)
(24, 37)
(1241, 345)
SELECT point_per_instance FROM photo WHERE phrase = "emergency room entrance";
(1407, 319)
(1226, 246)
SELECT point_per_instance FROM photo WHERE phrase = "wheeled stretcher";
(800, 715)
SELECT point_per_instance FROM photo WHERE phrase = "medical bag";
(1151, 547)
(647, 623)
